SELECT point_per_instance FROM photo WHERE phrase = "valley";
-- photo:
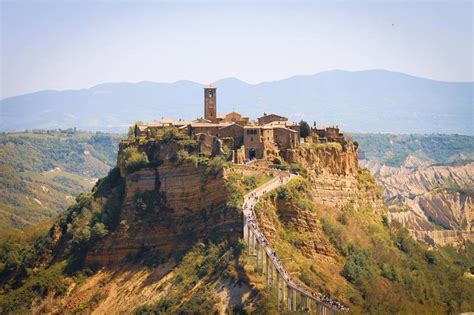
(42, 173)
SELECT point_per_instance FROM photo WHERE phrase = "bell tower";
(210, 103)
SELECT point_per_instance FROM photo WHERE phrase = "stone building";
(270, 136)
(210, 103)
(268, 118)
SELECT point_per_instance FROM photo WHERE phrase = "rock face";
(327, 159)
(333, 175)
(434, 202)
(169, 207)
(166, 209)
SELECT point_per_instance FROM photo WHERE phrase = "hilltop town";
(225, 214)
(266, 138)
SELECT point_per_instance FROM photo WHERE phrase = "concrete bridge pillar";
(288, 298)
(267, 273)
(278, 287)
(245, 225)
(272, 268)
(253, 243)
(248, 239)
(257, 246)
(294, 300)
(306, 303)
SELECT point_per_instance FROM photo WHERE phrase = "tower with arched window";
(210, 103)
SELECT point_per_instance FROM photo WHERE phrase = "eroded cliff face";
(167, 209)
(296, 225)
(434, 202)
(334, 175)
(327, 158)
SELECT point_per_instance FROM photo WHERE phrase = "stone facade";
(210, 103)
(269, 137)
(268, 118)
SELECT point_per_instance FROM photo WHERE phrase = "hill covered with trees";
(41, 173)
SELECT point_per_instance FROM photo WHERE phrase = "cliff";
(164, 225)
(349, 251)
(435, 202)
(166, 209)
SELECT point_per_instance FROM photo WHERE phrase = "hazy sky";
(71, 45)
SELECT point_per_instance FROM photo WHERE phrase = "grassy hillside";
(40, 173)
(354, 255)
(392, 150)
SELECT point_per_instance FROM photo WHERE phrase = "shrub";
(180, 157)
(305, 130)
(105, 185)
(334, 233)
(99, 230)
(145, 202)
(358, 264)
(133, 159)
(215, 166)
(171, 134)
(282, 192)
(250, 181)
(299, 170)
(430, 257)
(389, 272)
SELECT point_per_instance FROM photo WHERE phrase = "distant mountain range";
(360, 101)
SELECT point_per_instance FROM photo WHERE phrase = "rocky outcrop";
(333, 173)
(329, 158)
(166, 209)
(434, 202)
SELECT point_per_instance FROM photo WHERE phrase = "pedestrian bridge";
(290, 295)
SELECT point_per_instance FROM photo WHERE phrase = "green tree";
(133, 159)
(131, 132)
(305, 130)
(99, 230)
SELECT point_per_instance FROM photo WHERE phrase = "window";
(210, 93)
(251, 139)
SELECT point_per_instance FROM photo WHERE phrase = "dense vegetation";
(393, 149)
(200, 271)
(370, 264)
(33, 264)
(40, 173)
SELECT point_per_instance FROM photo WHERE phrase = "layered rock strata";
(187, 206)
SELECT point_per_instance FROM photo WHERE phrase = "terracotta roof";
(167, 122)
(284, 128)
(200, 120)
(266, 115)
(232, 125)
(281, 123)
(198, 124)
